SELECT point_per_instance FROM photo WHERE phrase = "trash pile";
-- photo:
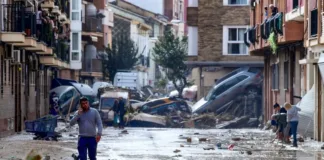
(176, 113)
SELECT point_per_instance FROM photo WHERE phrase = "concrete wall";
(282, 95)
(33, 96)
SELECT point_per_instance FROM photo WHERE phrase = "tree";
(122, 55)
(170, 52)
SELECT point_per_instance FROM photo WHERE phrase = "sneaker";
(295, 145)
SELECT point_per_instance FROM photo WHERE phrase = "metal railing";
(13, 17)
(93, 24)
(46, 34)
(30, 24)
(62, 51)
(92, 65)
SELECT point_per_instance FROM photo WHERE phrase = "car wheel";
(252, 91)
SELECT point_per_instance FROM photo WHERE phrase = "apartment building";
(283, 75)
(215, 36)
(97, 23)
(34, 49)
(157, 23)
(313, 61)
(144, 28)
(175, 10)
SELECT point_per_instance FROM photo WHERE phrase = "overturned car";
(239, 83)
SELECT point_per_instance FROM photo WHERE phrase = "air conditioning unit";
(16, 56)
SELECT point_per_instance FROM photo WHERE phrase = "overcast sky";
(155, 6)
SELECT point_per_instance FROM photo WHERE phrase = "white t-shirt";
(38, 17)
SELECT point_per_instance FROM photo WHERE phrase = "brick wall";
(213, 15)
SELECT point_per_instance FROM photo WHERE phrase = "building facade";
(278, 38)
(215, 36)
(144, 28)
(313, 61)
(97, 23)
(35, 48)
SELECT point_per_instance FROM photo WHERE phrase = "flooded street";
(159, 144)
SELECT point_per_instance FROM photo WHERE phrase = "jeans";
(87, 144)
(294, 125)
(116, 119)
(121, 120)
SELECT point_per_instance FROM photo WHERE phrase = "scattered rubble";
(301, 139)
(209, 148)
(176, 151)
(203, 140)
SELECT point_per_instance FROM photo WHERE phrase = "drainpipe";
(1, 16)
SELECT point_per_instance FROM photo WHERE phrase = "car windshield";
(91, 99)
(210, 93)
(107, 103)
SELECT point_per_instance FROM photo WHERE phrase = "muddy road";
(165, 144)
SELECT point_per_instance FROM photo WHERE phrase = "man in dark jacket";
(281, 122)
(115, 109)
(121, 111)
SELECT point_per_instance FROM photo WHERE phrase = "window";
(233, 41)
(286, 76)
(236, 2)
(295, 4)
(313, 23)
(75, 56)
(75, 41)
(66, 97)
(83, 13)
(275, 76)
(241, 78)
(75, 10)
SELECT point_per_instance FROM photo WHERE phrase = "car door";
(233, 88)
(216, 98)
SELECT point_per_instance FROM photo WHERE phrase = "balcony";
(286, 32)
(47, 4)
(13, 23)
(30, 32)
(56, 11)
(62, 51)
(92, 68)
(295, 11)
(92, 27)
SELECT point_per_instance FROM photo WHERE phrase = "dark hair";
(276, 105)
(83, 99)
(266, 8)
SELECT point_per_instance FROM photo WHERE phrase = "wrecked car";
(165, 106)
(106, 102)
(68, 96)
(243, 81)
(147, 120)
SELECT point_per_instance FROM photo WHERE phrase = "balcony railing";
(46, 34)
(62, 51)
(64, 5)
(30, 24)
(92, 65)
(92, 24)
(13, 17)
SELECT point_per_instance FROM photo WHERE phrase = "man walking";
(121, 111)
(88, 119)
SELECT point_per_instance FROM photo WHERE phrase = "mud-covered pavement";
(150, 144)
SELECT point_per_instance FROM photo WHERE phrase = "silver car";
(246, 81)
